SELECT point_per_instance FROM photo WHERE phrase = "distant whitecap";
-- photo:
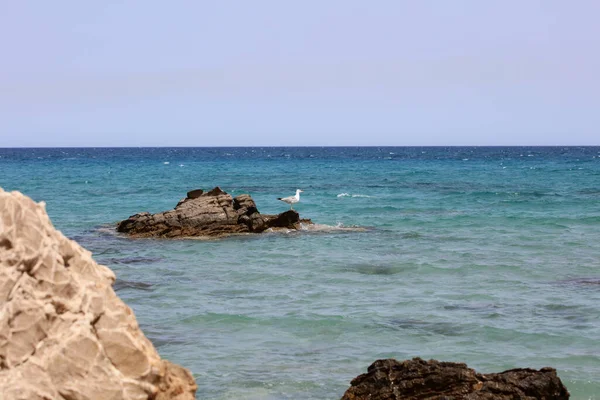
(352, 195)
(166, 163)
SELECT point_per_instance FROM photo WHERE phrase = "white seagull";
(292, 199)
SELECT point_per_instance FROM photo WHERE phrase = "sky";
(309, 73)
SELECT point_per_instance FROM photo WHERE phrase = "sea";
(484, 255)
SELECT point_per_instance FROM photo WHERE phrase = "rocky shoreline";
(212, 214)
(65, 334)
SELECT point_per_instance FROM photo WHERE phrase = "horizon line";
(295, 146)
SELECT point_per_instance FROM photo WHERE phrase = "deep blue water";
(488, 256)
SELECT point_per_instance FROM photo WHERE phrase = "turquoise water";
(488, 256)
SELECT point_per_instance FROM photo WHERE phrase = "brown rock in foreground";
(64, 333)
(209, 214)
(419, 379)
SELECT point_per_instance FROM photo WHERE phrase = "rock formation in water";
(64, 333)
(418, 379)
(209, 214)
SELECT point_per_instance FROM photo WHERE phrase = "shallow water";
(487, 256)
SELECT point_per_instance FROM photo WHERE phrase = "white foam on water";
(108, 230)
(339, 227)
(353, 195)
(319, 228)
(166, 163)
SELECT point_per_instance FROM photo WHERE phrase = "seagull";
(292, 199)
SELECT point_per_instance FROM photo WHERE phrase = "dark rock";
(192, 194)
(213, 214)
(215, 192)
(419, 379)
(287, 219)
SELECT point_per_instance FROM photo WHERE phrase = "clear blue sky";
(335, 72)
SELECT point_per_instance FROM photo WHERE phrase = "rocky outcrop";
(209, 214)
(418, 379)
(64, 334)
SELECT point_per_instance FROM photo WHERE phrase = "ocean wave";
(321, 228)
(121, 284)
(353, 195)
(339, 227)
(377, 269)
(107, 230)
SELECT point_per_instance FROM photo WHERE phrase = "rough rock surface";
(64, 333)
(419, 379)
(209, 214)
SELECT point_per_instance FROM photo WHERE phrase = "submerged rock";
(419, 379)
(209, 214)
(64, 333)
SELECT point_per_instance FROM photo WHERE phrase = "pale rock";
(64, 333)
